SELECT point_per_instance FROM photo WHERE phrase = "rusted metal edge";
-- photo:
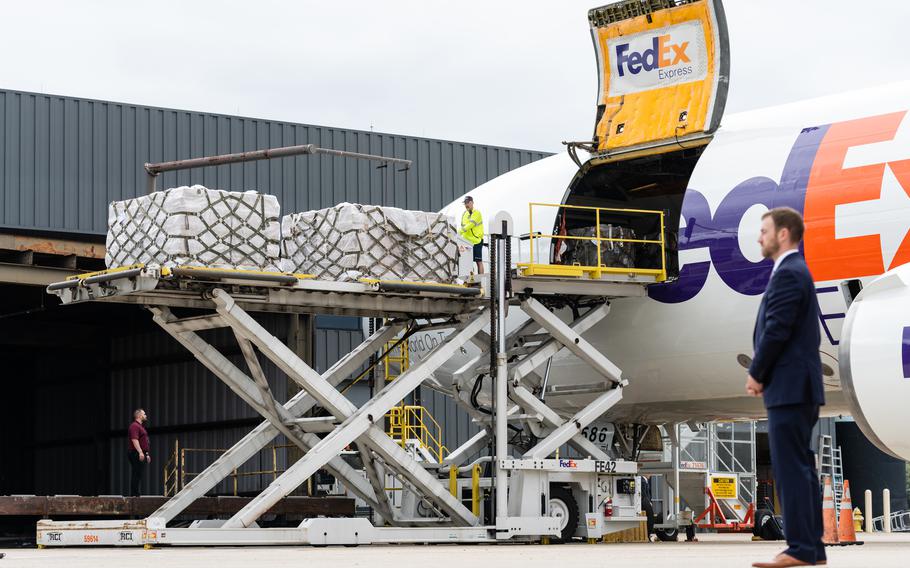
(114, 506)
(63, 247)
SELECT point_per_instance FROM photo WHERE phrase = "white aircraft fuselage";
(842, 161)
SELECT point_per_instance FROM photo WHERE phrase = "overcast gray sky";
(516, 73)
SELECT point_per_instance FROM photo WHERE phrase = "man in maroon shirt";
(138, 452)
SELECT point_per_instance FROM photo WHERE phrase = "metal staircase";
(415, 429)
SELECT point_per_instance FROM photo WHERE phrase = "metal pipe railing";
(596, 271)
(153, 169)
(177, 474)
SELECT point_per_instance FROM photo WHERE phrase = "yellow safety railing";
(538, 268)
(397, 360)
(172, 472)
(475, 486)
(402, 359)
(411, 422)
(176, 473)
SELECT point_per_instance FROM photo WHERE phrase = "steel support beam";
(573, 425)
(476, 366)
(572, 339)
(532, 404)
(260, 436)
(32, 275)
(468, 449)
(551, 347)
(265, 392)
(357, 422)
(375, 476)
(198, 323)
(279, 416)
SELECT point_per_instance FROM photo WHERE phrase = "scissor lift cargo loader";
(521, 485)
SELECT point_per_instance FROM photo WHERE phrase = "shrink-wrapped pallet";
(195, 226)
(351, 241)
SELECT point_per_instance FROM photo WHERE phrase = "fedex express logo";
(851, 182)
(656, 59)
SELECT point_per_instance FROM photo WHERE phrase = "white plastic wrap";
(195, 226)
(351, 241)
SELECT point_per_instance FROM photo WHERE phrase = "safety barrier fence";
(603, 246)
(177, 473)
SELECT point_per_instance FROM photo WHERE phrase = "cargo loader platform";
(190, 287)
(472, 315)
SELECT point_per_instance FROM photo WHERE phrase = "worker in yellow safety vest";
(472, 230)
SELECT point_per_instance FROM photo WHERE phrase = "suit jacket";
(787, 338)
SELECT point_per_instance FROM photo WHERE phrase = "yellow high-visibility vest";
(472, 226)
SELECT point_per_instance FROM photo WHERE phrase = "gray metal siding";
(63, 160)
(155, 372)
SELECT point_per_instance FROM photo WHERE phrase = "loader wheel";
(667, 535)
(563, 505)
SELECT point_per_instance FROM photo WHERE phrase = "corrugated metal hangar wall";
(65, 159)
(74, 374)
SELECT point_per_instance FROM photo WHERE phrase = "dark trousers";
(789, 434)
(137, 471)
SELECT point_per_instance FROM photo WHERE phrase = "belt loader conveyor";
(524, 513)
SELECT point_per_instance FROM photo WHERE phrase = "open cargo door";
(663, 72)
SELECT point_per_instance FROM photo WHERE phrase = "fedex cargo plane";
(842, 161)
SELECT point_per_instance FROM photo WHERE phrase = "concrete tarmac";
(712, 551)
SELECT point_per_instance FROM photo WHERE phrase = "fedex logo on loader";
(851, 182)
(656, 59)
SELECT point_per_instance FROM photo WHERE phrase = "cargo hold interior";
(655, 182)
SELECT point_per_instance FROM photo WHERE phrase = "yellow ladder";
(397, 361)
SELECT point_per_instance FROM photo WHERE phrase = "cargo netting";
(351, 241)
(195, 226)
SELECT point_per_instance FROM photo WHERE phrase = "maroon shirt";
(137, 432)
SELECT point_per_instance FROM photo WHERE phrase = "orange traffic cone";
(829, 515)
(845, 531)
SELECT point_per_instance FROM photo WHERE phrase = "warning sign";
(724, 486)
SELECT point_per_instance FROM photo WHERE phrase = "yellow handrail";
(171, 469)
(176, 473)
(390, 346)
(412, 422)
(544, 269)
(396, 354)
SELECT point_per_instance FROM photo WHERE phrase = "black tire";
(761, 517)
(667, 535)
(562, 498)
(768, 526)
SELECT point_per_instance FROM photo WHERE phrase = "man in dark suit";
(786, 370)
